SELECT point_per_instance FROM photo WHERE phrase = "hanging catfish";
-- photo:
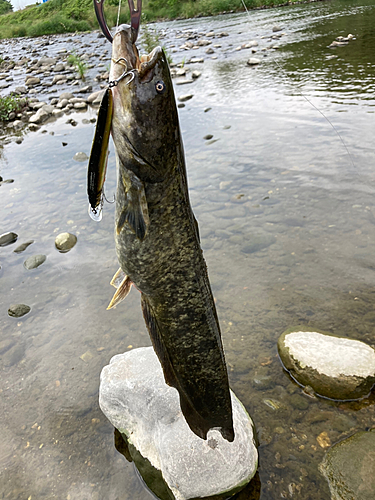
(157, 239)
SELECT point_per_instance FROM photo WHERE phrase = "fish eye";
(160, 87)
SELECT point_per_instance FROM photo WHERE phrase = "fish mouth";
(125, 56)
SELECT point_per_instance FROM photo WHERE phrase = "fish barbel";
(157, 239)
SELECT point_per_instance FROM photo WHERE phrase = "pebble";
(65, 242)
(34, 261)
(184, 82)
(8, 239)
(253, 61)
(208, 137)
(184, 98)
(18, 310)
(21, 248)
(80, 156)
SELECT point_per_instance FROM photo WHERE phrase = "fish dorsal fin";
(118, 278)
(121, 292)
(135, 211)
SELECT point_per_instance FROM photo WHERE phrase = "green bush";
(10, 104)
(5, 7)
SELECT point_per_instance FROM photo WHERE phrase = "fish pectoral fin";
(135, 211)
(121, 292)
(118, 278)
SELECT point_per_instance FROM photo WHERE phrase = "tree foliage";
(5, 6)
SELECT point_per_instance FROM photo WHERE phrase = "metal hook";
(114, 83)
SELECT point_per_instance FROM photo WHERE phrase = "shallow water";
(286, 219)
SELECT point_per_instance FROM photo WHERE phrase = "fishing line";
(118, 13)
(311, 103)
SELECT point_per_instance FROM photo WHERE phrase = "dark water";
(287, 224)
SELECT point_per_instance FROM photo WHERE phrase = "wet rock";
(276, 28)
(65, 242)
(337, 368)
(58, 78)
(208, 137)
(21, 248)
(258, 242)
(40, 116)
(34, 261)
(184, 98)
(80, 156)
(134, 397)
(253, 61)
(210, 50)
(59, 67)
(46, 61)
(32, 80)
(349, 467)
(85, 90)
(57, 113)
(33, 127)
(80, 105)
(18, 310)
(20, 90)
(196, 74)
(8, 238)
(66, 95)
(184, 82)
(95, 95)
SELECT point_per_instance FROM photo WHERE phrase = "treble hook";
(135, 18)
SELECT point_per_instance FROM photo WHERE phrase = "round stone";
(349, 467)
(335, 367)
(34, 261)
(80, 156)
(18, 310)
(8, 239)
(65, 242)
(135, 398)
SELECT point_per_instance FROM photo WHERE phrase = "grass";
(10, 104)
(151, 39)
(63, 16)
(79, 64)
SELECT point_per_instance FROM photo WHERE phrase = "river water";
(285, 205)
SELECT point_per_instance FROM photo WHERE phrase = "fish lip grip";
(135, 18)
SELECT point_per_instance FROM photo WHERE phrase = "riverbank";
(68, 16)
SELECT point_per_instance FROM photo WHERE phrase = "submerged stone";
(65, 242)
(349, 467)
(21, 248)
(335, 367)
(8, 239)
(135, 398)
(18, 310)
(34, 261)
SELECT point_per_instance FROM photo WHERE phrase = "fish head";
(145, 126)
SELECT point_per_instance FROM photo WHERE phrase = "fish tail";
(198, 424)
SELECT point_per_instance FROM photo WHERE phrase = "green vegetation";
(5, 6)
(62, 16)
(79, 64)
(11, 104)
(151, 39)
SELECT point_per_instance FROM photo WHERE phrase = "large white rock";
(335, 367)
(136, 400)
